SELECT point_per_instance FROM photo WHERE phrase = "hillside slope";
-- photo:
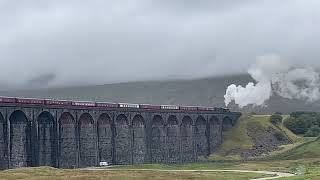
(206, 92)
(255, 137)
(310, 149)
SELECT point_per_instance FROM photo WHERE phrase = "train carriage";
(169, 107)
(128, 105)
(107, 105)
(83, 103)
(8, 100)
(149, 106)
(30, 101)
(65, 103)
(57, 102)
(189, 108)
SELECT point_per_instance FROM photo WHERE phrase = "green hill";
(308, 150)
(255, 137)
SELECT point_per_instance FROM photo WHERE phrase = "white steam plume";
(273, 75)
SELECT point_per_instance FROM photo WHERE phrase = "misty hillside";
(206, 92)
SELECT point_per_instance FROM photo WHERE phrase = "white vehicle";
(103, 164)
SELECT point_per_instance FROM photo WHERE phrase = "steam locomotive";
(103, 105)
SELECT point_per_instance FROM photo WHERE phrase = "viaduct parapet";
(38, 135)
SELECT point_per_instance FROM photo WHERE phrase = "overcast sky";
(81, 42)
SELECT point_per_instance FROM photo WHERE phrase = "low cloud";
(65, 43)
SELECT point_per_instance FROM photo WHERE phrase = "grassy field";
(46, 173)
(308, 168)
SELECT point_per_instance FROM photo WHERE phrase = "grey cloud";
(98, 42)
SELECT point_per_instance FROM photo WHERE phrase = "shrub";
(314, 131)
(276, 119)
(279, 136)
(304, 123)
(295, 125)
(308, 120)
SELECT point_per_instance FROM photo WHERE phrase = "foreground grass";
(44, 173)
(310, 149)
(302, 159)
(304, 168)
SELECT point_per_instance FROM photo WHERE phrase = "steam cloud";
(274, 75)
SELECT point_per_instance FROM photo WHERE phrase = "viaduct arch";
(158, 140)
(105, 138)
(122, 140)
(87, 139)
(139, 144)
(46, 144)
(187, 140)
(201, 131)
(72, 138)
(67, 141)
(173, 142)
(20, 140)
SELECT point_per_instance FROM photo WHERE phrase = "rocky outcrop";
(265, 140)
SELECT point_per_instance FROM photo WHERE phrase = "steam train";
(103, 105)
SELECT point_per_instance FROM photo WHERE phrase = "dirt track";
(276, 174)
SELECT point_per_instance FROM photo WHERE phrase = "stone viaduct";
(83, 137)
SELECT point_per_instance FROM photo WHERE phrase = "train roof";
(81, 101)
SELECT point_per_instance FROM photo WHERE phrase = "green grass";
(307, 168)
(187, 166)
(45, 173)
(310, 149)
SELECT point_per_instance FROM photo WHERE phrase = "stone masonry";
(77, 137)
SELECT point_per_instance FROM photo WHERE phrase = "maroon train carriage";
(149, 106)
(30, 101)
(203, 108)
(83, 103)
(128, 105)
(51, 102)
(170, 107)
(65, 103)
(8, 100)
(106, 105)
(189, 108)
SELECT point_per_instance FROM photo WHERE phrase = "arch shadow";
(139, 146)
(87, 139)
(105, 138)
(46, 142)
(68, 143)
(122, 141)
(158, 140)
(20, 140)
